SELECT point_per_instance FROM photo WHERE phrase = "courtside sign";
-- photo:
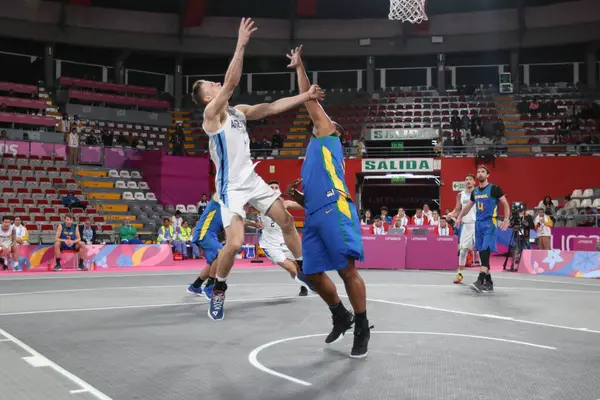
(397, 165)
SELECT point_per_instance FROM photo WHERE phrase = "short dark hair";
(384, 208)
(273, 182)
(178, 212)
(481, 166)
(470, 176)
(6, 217)
(68, 216)
(166, 219)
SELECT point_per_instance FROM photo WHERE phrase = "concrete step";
(296, 137)
(517, 141)
(304, 122)
(299, 129)
(288, 144)
(290, 152)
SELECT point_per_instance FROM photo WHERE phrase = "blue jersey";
(68, 232)
(209, 223)
(323, 173)
(486, 202)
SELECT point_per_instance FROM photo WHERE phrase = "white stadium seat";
(132, 185)
(140, 196)
(191, 209)
(181, 207)
(127, 196)
(120, 185)
(143, 185)
(113, 173)
(151, 196)
(586, 203)
(136, 174)
(124, 174)
(588, 193)
(576, 193)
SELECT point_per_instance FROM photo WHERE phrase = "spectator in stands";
(419, 219)
(367, 219)
(400, 219)
(87, 232)
(379, 227)
(427, 211)
(128, 234)
(21, 232)
(569, 203)
(277, 140)
(71, 201)
(458, 144)
(166, 235)
(64, 124)
(587, 218)
(384, 215)
(443, 229)
(67, 238)
(8, 244)
(265, 143)
(107, 138)
(186, 237)
(548, 205)
(465, 122)
(254, 147)
(3, 135)
(25, 137)
(362, 148)
(475, 127)
(202, 204)
(435, 218)
(533, 107)
(543, 225)
(72, 140)
(447, 145)
(177, 222)
(178, 141)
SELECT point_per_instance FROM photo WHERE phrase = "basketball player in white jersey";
(237, 183)
(272, 243)
(8, 244)
(467, 231)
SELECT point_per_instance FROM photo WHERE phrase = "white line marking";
(137, 306)
(4, 340)
(77, 391)
(522, 321)
(73, 378)
(536, 278)
(253, 356)
(37, 362)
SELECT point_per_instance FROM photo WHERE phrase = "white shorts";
(254, 191)
(278, 254)
(467, 236)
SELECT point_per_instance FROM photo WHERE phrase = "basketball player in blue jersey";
(486, 197)
(331, 239)
(206, 237)
(236, 181)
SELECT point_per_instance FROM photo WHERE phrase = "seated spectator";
(400, 219)
(384, 215)
(254, 147)
(435, 218)
(427, 211)
(26, 137)
(67, 238)
(367, 219)
(533, 106)
(419, 218)
(71, 201)
(379, 227)
(443, 229)
(549, 208)
(166, 235)
(177, 222)
(569, 203)
(543, 223)
(21, 232)
(87, 232)
(8, 244)
(3, 135)
(202, 204)
(186, 237)
(107, 138)
(587, 218)
(277, 140)
(447, 145)
(465, 122)
(128, 234)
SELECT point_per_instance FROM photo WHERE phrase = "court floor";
(139, 335)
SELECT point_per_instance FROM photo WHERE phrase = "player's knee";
(349, 272)
(287, 222)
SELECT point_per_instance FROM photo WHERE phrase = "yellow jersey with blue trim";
(323, 173)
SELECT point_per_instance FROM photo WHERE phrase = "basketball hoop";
(412, 11)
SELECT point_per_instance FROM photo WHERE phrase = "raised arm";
(216, 106)
(264, 110)
(323, 124)
(294, 193)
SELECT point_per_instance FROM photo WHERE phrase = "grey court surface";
(140, 336)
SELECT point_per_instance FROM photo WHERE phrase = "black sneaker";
(340, 325)
(57, 267)
(4, 267)
(360, 348)
(477, 286)
(488, 287)
(81, 267)
(303, 291)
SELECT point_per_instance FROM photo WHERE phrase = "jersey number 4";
(480, 206)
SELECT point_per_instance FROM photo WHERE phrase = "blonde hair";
(197, 96)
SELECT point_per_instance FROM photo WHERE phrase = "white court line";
(77, 391)
(138, 306)
(4, 340)
(445, 286)
(253, 356)
(73, 378)
(521, 321)
(502, 275)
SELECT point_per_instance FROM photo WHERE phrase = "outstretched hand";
(247, 28)
(293, 186)
(315, 93)
(294, 57)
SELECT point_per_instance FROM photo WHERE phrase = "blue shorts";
(211, 246)
(63, 247)
(485, 235)
(330, 236)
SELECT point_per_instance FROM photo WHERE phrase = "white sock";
(220, 279)
(299, 259)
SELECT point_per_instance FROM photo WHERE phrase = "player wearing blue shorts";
(485, 197)
(206, 237)
(331, 239)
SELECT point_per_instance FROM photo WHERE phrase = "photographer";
(521, 224)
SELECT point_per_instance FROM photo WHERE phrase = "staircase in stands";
(185, 118)
(507, 108)
(298, 136)
(51, 109)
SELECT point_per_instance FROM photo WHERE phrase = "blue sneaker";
(17, 268)
(301, 279)
(208, 291)
(193, 291)
(216, 311)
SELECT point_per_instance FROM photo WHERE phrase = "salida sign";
(397, 165)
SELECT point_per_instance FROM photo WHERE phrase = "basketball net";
(412, 11)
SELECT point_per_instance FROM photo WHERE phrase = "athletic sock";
(58, 261)
(220, 284)
(210, 281)
(361, 320)
(338, 309)
(488, 278)
(197, 283)
(481, 277)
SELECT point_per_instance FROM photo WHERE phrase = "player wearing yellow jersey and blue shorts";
(206, 237)
(331, 238)
(485, 197)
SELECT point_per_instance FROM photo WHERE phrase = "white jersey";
(271, 235)
(6, 236)
(230, 151)
(465, 197)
